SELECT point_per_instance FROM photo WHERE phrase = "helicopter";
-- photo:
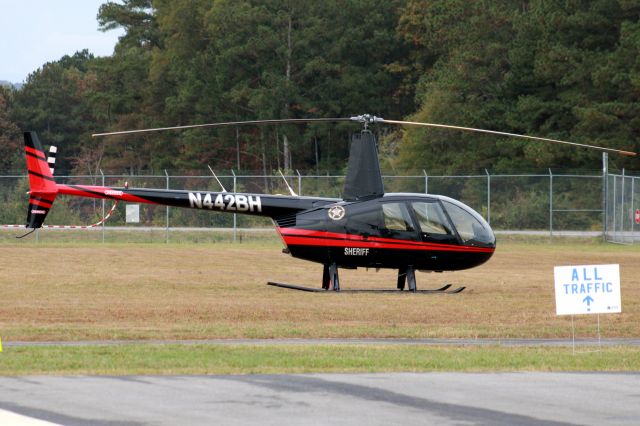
(366, 228)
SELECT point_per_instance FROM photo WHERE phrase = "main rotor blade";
(365, 119)
(515, 135)
(226, 124)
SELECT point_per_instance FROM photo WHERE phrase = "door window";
(431, 218)
(396, 217)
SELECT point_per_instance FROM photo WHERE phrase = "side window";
(396, 217)
(364, 219)
(431, 218)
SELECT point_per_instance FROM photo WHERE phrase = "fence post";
(300, 182)
(102, 174)
(633, 221)
(614, 204)
(166, 237)
(426, 181)
(550, 203)
(605, 190)
(235, 215)
(488, 196)
(622, 208)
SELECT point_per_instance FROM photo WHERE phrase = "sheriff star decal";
(336, 212)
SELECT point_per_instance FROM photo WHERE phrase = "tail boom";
(243, 203)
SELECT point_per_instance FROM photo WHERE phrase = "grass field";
(88, 291)
(295, 359)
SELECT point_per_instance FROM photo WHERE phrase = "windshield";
(471, 227)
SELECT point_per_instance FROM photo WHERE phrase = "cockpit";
(429, 218)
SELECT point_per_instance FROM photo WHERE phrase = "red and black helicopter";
(366, 228)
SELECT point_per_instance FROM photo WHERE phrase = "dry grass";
(153, 291)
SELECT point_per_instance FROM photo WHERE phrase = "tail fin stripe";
(31, 172)
(33, 149)
(41, 203)
(36, 154)
(45, 199)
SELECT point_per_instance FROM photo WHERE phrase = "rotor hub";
(366, 119)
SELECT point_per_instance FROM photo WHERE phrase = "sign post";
(587, 289)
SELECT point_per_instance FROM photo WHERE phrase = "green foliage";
(566, 70)
(561, 70)
(14, 201)
(54, 102)
(10, 140)
(136, 17)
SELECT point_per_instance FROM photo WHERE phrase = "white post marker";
(133, 213)
(587, 289)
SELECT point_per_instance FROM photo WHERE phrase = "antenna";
(288, 186)
(214, 175)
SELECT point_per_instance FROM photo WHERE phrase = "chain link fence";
(622, 218)
(551, 203)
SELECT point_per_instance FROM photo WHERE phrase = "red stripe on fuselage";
(100, 192)
(296, 236)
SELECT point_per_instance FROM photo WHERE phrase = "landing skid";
(441, 290)
(331, 282)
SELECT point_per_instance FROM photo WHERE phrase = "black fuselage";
(428, 232)
(390, 232)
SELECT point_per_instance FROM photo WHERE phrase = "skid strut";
(330, 278)
(407, 274)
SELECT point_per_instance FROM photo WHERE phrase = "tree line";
(559, 69)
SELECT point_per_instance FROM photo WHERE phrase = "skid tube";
(441, 290)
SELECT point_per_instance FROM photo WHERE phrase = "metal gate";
(622, 213)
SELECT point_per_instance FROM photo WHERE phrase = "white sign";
(587, 289)
(133, 213)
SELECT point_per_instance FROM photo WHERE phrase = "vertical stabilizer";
(43, 188)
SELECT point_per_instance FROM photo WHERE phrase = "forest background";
(558, 69)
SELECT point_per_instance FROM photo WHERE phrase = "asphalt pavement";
(526, 398)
